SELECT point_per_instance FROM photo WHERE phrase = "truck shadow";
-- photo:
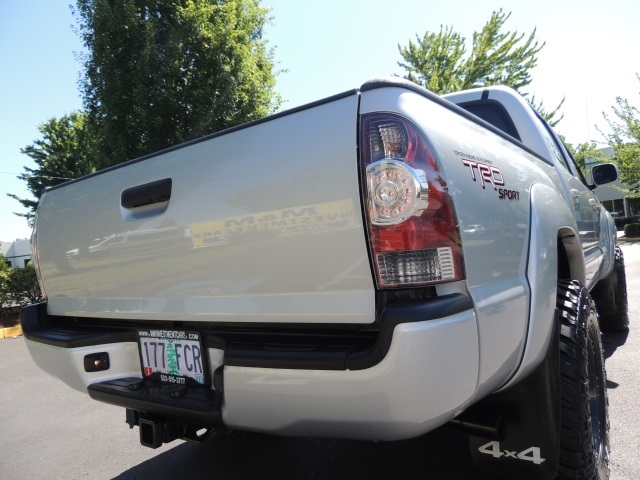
(611, 341)
(443, 453)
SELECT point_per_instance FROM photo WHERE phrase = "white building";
(17, 254)
(613, 196)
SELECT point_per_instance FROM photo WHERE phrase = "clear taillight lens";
(397, 192)
(412, 226)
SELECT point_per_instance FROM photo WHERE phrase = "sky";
(591, 56)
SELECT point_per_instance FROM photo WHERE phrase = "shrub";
(622, 222)
(19, 287)
(4, 297)
(632, 229)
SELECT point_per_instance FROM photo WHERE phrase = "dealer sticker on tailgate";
(172, 356)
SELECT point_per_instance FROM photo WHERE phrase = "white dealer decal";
(331, 216)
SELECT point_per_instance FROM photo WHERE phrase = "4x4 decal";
(531, 454)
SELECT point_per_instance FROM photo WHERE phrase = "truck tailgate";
(260, 224)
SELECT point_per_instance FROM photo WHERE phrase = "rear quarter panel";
(496, 256)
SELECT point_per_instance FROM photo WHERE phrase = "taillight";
(412, 226)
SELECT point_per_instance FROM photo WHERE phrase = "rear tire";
(613, 310)
(584, 419)
(619, 320)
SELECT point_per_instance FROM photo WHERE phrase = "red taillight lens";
(412, 227)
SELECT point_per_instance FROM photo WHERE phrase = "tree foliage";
(3, 262)
(64, 152)
(4, 275)
(159, 72)
(587, 151)
(156, 73)
(438, 61)
(625, 140)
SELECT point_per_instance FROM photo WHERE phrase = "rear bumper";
(425, 376)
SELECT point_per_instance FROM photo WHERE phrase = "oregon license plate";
(172, 356)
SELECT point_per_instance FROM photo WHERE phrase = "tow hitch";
(154, 431)
(163, 412)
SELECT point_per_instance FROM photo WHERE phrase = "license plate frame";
(173, 356)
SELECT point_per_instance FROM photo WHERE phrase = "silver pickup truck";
(370, 266)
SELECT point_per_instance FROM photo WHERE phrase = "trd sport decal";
(488, 174)
(505, 194)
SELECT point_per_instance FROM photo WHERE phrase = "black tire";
(584, 417)
(616, 316)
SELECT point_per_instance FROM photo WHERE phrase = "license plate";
(172, 356)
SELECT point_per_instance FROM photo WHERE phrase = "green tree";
(156, 73)
(3, 262)
(159, 72)
(625, 140)
(438, 61)
(63, 152)
(586, 151)
(172, 359)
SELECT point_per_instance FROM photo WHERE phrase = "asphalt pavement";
(622, 351)
(48, 431)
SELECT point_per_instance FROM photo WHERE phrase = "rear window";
(494, 113)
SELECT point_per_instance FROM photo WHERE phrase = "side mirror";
(604, 173)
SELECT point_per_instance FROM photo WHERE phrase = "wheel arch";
(555, 252)
(570, 255)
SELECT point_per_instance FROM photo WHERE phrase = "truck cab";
(511, 113)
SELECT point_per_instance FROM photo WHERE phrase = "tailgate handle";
(147, 194)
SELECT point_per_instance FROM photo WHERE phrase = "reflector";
(433, 265)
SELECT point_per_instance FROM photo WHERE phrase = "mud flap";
(530, 448)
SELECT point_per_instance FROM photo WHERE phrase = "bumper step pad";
(199, 405)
